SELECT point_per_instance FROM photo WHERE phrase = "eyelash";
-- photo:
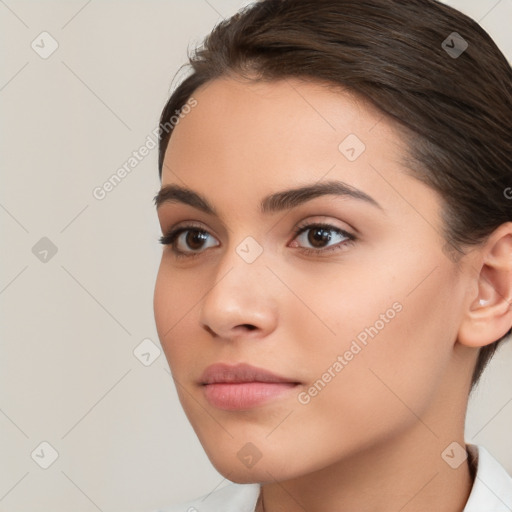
(170, 238)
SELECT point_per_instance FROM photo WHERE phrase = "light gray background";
(69, 326)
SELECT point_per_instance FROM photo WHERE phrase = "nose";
(241, 300)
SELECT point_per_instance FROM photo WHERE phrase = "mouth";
(243, 386)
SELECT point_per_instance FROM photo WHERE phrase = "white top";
(491, 491)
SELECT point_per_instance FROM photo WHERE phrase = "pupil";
(318, 236)
(195, 238)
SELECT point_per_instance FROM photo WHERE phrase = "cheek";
(394, 327)
(174, 299)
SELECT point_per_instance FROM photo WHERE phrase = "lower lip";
(243, 395)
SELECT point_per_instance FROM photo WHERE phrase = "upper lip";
(241, 372)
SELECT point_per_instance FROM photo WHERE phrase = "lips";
(242, 372)
(242, 386)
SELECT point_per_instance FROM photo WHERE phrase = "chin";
(266, 469)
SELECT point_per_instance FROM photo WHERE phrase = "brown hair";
(455, 109)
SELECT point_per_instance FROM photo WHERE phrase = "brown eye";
(195, 239)
(317, 238)
(188, 240)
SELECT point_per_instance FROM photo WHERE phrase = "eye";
(187, 241)
(320, 236)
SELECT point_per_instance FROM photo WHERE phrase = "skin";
(372, 439)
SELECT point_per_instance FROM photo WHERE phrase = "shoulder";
(231, 498)
(492, 487)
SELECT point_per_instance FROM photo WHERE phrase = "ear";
(488, 316)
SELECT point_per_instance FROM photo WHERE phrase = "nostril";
(249, 326)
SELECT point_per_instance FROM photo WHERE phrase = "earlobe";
(489, 315)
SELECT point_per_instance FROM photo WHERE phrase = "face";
(345, 293)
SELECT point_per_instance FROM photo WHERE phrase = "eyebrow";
(275, 202)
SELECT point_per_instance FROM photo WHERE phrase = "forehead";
(279, 118)
(273, 113)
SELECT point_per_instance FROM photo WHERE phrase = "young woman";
(336, 209)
